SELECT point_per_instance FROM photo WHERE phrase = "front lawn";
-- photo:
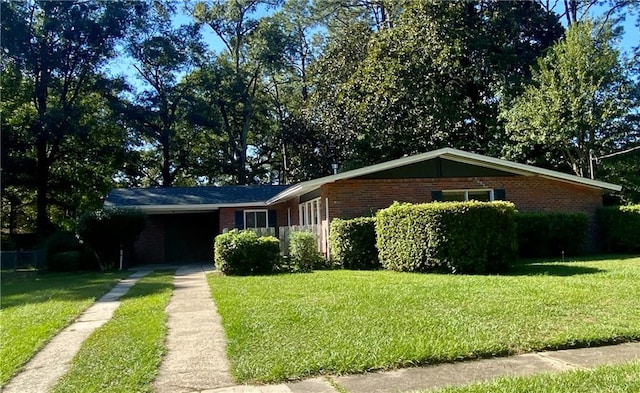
(611, 379)
(291, 326)
(36, 306)
(124, 354)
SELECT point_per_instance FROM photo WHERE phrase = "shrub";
(533, 234)
(105, 231)
(62, 251)
(303, 252)
(353, 243)
(66, 261)
(620, 228)
(244, 253)
(567, 233)
(456, 237)
(551, 234)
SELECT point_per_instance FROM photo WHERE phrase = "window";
(467, 195)
(309, 212)
(256, 219)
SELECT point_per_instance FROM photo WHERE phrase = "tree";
(436, 77)
(580, 101)
(161, 54)
(57, 49)
(253, 47)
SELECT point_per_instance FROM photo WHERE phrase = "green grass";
(124, 354)
(291, 326)
(36, 306)
(606, 379)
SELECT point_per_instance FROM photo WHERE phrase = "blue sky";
(123, 65)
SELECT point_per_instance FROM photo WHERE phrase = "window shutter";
(273, 218)
(499, 194)
(436, 196)
(239, 219)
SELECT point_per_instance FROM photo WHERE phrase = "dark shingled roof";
(204, 195)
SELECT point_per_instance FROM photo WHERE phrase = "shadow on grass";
(40, 287)
(563, 268)
(558, 270)
(147, 288)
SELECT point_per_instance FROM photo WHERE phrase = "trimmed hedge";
(243, 253)
(303, 252)
(455, 237)
(353, 243)
(533, 234)
(567, 232)
(620, 228)
(550, 234)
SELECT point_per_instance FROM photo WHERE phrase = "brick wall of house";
(227, 218)
(354, 198)
(149, 247)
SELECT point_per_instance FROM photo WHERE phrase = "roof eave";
(186, 208)
(528, 170)
(448, 153)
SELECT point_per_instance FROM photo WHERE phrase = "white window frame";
(467, 190)
(266, 213)
(309, 212)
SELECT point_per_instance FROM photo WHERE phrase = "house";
(185, 220)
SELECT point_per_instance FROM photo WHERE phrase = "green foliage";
(620, 228)
(55, 115)
(567, 233)
(625, 171)
(241, 253)
(455, 237)
(162, 53)
(581, 99)
(303, 252)
(533, 234)
(107, 230)
(353, 243)
(432, 79)
(551, 234)
(64, 253)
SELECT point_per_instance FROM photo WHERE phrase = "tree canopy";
(294, 86)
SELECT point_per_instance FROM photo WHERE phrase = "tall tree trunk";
(167, 177)
(42, 219)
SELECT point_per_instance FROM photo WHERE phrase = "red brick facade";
(359, 197)
(354, 198)
(149, 247)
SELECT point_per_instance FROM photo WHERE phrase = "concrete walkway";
(54, 359)
(196, 344)
(455, 374)
(196, 359)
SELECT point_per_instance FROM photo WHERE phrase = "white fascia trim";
(526, 170)
(448, 153)
(171, 209)
(307, 186)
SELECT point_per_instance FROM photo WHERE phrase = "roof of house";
(449, 154)
(184, 199)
